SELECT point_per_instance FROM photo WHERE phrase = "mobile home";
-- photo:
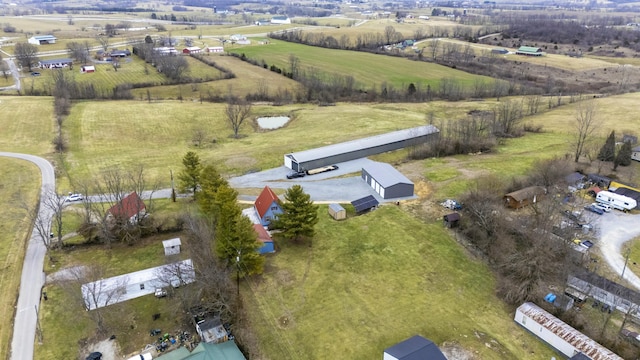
(616, 201)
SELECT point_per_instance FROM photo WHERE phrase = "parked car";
(296, 174)
(586, 244)
(603, 207)
(160, 293)
(35, 73)
(74, 197)
(94, 356)
(594, 209)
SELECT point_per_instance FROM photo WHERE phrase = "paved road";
(32, 280)
(15, 74)
(616, 228)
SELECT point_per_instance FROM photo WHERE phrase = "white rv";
(616, 201)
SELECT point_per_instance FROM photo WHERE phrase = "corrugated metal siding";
(566, 333)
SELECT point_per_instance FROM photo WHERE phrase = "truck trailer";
(616, 201)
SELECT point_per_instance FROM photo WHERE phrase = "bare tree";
(4, 69)
(173, 67)
(103, 40)
(294, 66)
(237, 111)
(390, 34)
(584, 126)
(26, 54)
(79, 51)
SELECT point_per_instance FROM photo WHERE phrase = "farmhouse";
(191, 50)
(365, 204)
(87, 69)
(337, 212)
(129, 286)
(559, 335)
(131, 208)
(355, 149)
(414, 348)
(227, 350)
(215, 49)
(42, 39)
(120, 53)
(55, 63)
(279, 20)
(267, 206)
(171, 246)
(265, 239)
(529, 51)
(388, 182)
(524, 197)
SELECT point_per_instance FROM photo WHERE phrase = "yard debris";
(451, 204)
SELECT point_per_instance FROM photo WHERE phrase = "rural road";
(32, 280)
(616, 228)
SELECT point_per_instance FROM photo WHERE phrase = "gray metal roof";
(416, 348)
(364, 143)
(336, 207)
(45, 37)
(56, 61)
(365, 203)
(385, 174)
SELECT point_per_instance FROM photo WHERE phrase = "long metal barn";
(356, 149)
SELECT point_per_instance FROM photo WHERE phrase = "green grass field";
(20, 182)
(369, 70)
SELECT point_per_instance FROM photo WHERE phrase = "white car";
(603, 207)
(74, 197)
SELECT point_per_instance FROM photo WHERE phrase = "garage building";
(356, 149)
(385, 180)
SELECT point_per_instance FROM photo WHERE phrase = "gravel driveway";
(615, 229)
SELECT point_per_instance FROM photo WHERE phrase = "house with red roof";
(131, 208)
(267, 206)
(265, 239)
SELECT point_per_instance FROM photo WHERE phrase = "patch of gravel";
(67, 274)
(108, 348)
(616, 228)
(454, 351)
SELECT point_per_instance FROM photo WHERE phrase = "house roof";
(177, 354)
(129, 206)
(365, 203)
(192, 48)
(264, 201)
(629, 193)
(416, 348)
(385, 174)
(452, 217)
(171, 243)
(227, 350)
(591, 279)
(574, 178)
(527, 193)
(263, 235)
(336, 207)
(44, 37)
(364, 143)
(56, 61)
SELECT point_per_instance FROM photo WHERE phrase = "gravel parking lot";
(615, 229)
(324, 187)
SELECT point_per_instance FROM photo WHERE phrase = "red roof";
(263, 235)
(264, 201)
(129, 206)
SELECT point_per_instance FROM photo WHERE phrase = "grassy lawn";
(373, 280)
(19, 181)
(398, 72)
(30, 127)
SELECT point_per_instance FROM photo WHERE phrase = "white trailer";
(616, 201)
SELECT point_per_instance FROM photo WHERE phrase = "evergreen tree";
(299, 215)
(608, 150)
(624, 156)
(189, 177)
(235, 237)
(210, 182)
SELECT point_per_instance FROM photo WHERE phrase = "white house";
(559, 335)
(42, 39)
(129, 286)
(280, 20)
(171, 246)
(239, 39)
(87, 68)
(215, 49)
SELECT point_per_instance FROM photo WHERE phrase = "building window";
(141, 286)
(274, 208)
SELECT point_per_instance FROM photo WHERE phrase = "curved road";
(616, 228)
(32, 280)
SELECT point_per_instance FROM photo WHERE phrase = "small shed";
(172, 246)
(87, 69)
(212, 331)
(416, 347)
(191, 50)
(337, 212)
(524, 197)
(451, 220)
(599, 180)
(365, 204)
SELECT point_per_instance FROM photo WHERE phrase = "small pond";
(272, 122)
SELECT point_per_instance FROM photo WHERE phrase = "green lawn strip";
(398, 72)
(28, 124)
(374, 280)
(19, 182)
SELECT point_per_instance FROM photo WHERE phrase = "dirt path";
(616, 228)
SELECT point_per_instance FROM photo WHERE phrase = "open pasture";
(369, 70)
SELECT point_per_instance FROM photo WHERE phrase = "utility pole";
(38, 328)
(173, 188)
(238, 272)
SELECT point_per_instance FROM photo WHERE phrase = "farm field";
(398, 72)
(30, 126)
(20, 182)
